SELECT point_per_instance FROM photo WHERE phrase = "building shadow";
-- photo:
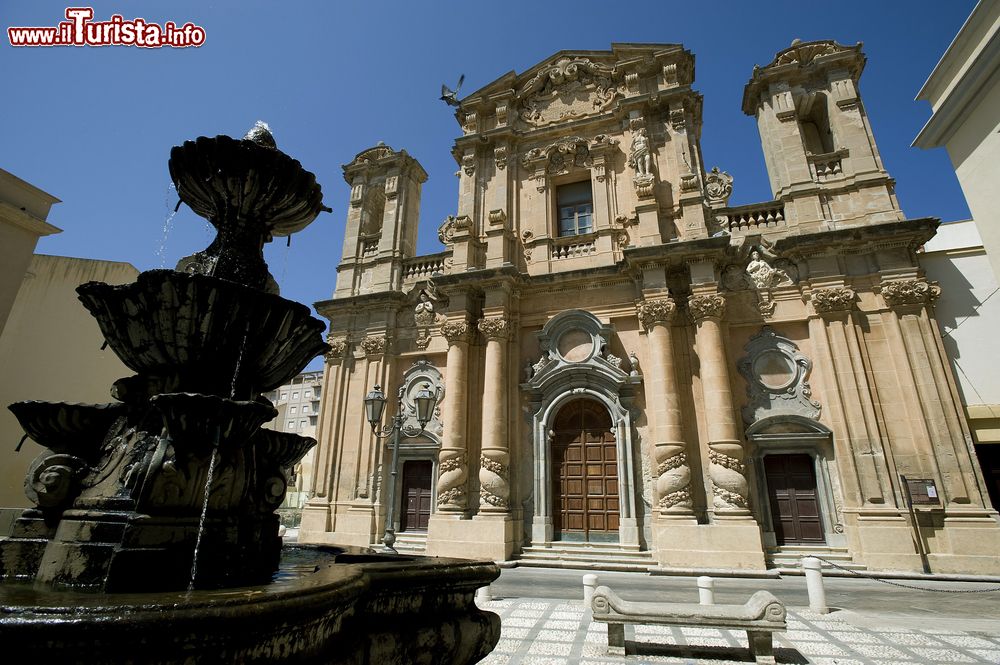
(698, 653)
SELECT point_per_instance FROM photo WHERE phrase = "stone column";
(908, 298)
(673, 473)
(726, 468)
(494, 463)
(453, 465)
(834, 305)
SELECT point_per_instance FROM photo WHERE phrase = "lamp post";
(374, 406)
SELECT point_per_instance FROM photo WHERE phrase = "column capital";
(495, 327)
(899, 293)
(655, 311)
(375, 345)
(833, 300)
(338, 348)
(707, 306)
(456, 331)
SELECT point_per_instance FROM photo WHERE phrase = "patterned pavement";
(551, 632)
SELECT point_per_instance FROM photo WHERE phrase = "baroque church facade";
(628, 367)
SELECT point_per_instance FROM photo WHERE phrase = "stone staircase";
(788, 559)
(411, 542)
(588, 556)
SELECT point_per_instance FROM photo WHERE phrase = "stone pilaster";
(834, 305)
(453, 462)
(494, 463)
(910, 299)
(726, 468)
(673, 472)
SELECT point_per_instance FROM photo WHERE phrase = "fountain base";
(326, 605)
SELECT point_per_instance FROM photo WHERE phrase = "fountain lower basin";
(326, 605)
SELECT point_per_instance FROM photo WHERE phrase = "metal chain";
(905, 586)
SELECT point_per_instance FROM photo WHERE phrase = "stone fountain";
(154, 524)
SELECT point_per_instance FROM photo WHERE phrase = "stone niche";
(777, 376)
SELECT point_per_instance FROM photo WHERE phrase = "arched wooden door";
(585, 500)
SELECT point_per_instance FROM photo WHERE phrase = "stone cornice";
(384, 300)
(910, 233)
(677, 253)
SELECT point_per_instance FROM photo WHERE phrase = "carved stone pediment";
(568, 89)
(777, 376)
(373, 154)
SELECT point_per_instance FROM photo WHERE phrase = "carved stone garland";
(451, 480)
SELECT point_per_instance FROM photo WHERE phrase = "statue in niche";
(423, 312)
(639, 157)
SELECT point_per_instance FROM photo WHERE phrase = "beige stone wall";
(50, 350)
(23, 209)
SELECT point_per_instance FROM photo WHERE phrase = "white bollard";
(484, 594)
(589, 585)
(813, 568)
(706, 590)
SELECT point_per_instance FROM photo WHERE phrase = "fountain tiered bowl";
(153, 535)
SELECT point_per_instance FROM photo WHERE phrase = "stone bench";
(762, 615)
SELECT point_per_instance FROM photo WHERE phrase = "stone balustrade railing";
(755, 215)
(424, 266)
(567, 248)
(827, 166)
(370, 247)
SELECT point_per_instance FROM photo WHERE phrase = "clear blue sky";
(94, 126)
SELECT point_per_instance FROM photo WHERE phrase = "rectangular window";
(303, 423)
(575, 203)
(305, 408)
(290, 424)
(284, 395)
(295, 395)
(292, 409)
(307, 394)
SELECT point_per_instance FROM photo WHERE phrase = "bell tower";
(818, 145)
(382, 220)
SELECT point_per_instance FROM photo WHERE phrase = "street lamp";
(374, 407)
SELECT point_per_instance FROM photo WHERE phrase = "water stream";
(239, 360)
(204, 511)
(168, 222)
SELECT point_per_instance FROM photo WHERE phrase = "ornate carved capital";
(338, 347)
(837, 299)
(456, 331)
(653, 312)
(909, 292)
(494, 328)
(708, 306)
(375, 345)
